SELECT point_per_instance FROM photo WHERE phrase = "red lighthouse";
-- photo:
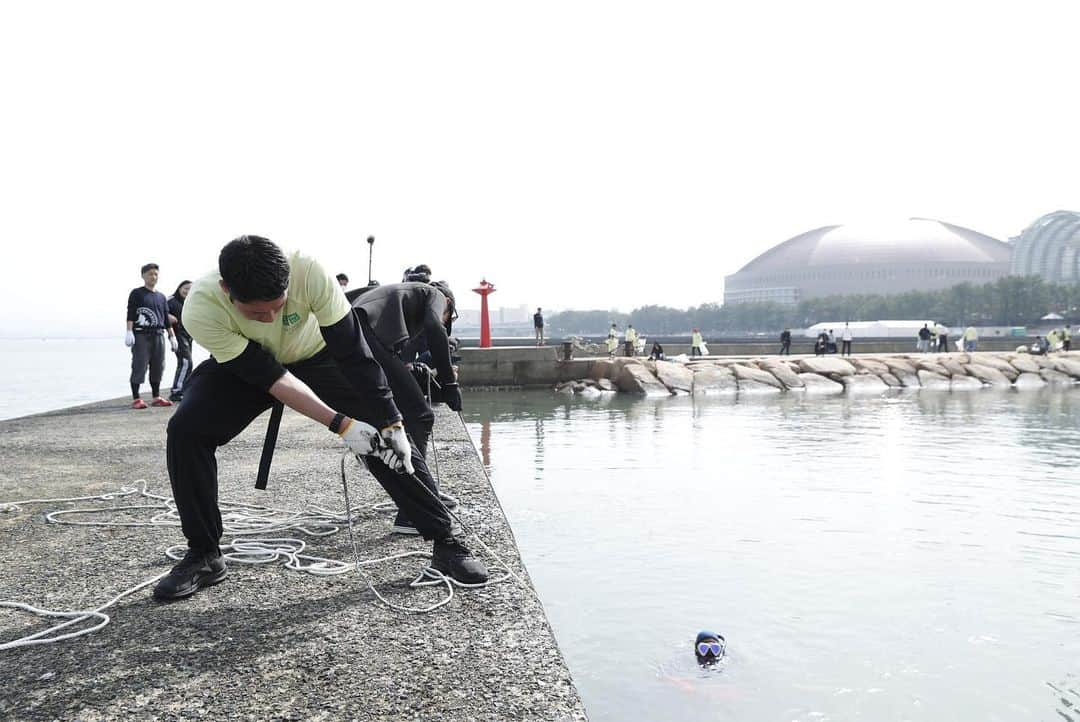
(484, 290)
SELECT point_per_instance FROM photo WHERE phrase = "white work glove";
(362, 439)
(172, 343)
(396, 452)
(129, 339)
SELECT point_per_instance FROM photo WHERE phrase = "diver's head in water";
(709, 648)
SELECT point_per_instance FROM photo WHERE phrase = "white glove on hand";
(362, 439)
(129, 339)
(172, 342)
(396, 453)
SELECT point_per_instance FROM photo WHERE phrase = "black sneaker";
(454, 559)
(195, 571)
(402, 525)
(176, 397)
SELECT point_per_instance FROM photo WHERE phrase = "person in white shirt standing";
(845, 340)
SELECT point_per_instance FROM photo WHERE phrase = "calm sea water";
(905, 558)
(41, 375)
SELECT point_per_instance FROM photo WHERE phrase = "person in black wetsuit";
(399, 320)
(183, 341)
(147, 322)
(785, 342)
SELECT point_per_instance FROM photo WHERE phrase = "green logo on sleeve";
(288, 319)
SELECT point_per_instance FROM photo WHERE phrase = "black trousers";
(218, 405)
(183, 363)
(149, 349)
(785, 348)
(845, 347)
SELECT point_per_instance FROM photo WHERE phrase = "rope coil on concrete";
(238, 519)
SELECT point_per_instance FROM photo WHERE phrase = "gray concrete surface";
(268, 643)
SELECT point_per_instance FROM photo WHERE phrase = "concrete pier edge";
(268, 642)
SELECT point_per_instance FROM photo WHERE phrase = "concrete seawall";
(532, 367)
(269, 642)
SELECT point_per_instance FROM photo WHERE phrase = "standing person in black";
(279, 327)
(183, 341)
(538, 327)
(399, 319)
(785, 342)
(147, 321)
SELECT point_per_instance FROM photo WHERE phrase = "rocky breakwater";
(826, 374)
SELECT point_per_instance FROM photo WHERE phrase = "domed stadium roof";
(916, 240)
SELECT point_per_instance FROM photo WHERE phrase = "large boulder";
(1068, 366)
(1025, 365)
(869, 365)
(818, 384)
(826, 366)
(750, 386)
(1028, 380)
(965, 383)
(752, 373)
(890, 380)
(783, 372)
(1056, 378)
(954, 367)
(606, 384)
(899, 366)
(636, 379)
(996, 362)
(932, 366)
(676, 377)
(989, 375)
(864, 384)
(603, 369)
(933, 381)
(710, 380)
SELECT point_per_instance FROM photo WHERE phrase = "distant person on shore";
(147, 322)
(821, 344)
(1038, 346)
(785, 342)
(695, 342)
(630, 337)
(942, 338)
(278, 328)
(923, 344)
(612, 340)
(538, 326)
(657, 352)
(183, 341)
(1066, 338)
(971, 339)
(832, 342)
(1053, 340)
(342, 280)
(845, 338)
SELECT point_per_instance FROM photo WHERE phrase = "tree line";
(1009, 301)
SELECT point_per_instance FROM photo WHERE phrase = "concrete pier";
(267, 643)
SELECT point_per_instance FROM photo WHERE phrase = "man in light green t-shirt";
(280, 328)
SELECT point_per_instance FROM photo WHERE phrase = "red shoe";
(138, 404)
(158, 401)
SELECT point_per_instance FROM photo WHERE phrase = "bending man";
(404, 318)
(280, 328)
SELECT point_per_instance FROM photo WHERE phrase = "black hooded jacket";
(398, 312)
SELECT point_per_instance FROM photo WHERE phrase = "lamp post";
(484, 289)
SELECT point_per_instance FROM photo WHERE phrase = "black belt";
(268, 444)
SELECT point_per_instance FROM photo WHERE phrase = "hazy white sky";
(577, 154)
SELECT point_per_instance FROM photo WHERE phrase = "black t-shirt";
(176, 308)
(147, 310)
(538, 321)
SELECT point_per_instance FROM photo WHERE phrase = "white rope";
(238, 519)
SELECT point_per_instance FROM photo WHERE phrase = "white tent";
(870, 329)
